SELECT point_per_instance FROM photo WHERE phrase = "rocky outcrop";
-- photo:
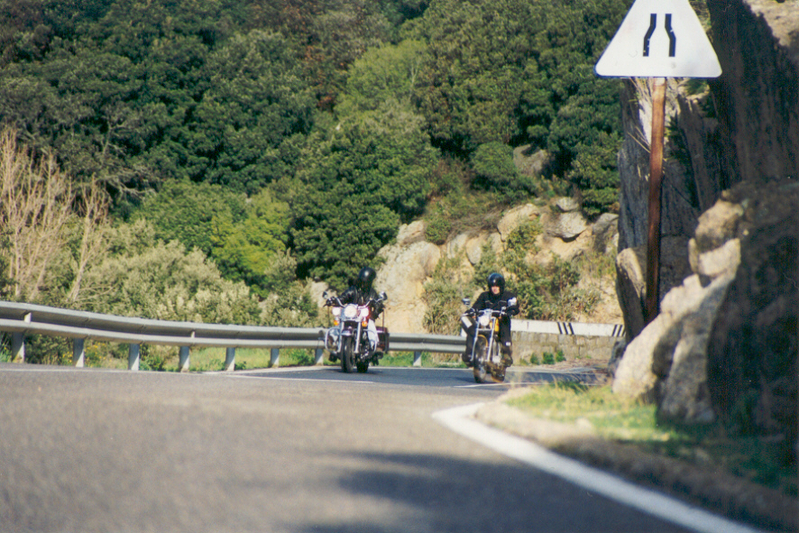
(410, 262)
(753, 355)
(757, 97)
(631, 278)
(725, 341)
(741, 136)
(745, 128)
(565, 220)
(666, 362)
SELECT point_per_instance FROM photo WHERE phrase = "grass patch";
(763, 461)
(212, 359)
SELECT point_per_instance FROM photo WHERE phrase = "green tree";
(256, 101)
(246, 251)
(383, 73)
(495, 171)
(150, 279)
(517, 72)
(362, 176)
(194, 214)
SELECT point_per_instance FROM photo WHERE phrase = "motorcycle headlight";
(351, 311)
(484, 319)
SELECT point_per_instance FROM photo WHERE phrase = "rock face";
(631, 278)
(757, 97)
(724, 345)
(410, 262)
(753, 352)
(666, 362)
(725, 341)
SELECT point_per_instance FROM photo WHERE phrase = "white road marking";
(460, 420)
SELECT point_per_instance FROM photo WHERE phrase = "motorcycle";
(348, 338)
(486, 353)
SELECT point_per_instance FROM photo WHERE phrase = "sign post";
(658, 39)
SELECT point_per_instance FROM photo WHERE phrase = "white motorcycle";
(349, 337)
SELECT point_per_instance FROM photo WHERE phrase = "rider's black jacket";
(354, 295)
(507, 299)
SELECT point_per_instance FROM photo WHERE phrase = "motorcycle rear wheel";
(362, 366)
(480, 356)
(347, 355)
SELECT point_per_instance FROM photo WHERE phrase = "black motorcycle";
(348, 338)
(486, 353)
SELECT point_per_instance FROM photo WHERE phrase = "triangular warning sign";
(660, 39)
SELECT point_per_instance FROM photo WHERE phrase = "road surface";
(311, 450)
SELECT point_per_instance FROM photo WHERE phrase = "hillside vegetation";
(207, 160)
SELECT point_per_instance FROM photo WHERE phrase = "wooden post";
(655, 179)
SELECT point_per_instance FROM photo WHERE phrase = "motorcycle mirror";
(324, 294)
(466, 301)
(383, 296)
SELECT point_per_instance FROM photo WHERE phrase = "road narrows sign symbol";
(659, 39)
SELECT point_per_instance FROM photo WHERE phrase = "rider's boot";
(466, 357)
(507, 354)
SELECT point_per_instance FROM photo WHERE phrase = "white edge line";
(461, 421)
(291, 380)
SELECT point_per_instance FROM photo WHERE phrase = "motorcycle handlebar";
(494, 312)
(334, 300)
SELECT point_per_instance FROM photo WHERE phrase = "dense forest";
(205, 160)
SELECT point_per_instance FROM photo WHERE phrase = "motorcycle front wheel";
(497, 371)
(480, 355)
(347, 355)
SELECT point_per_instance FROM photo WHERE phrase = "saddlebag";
(382, 339)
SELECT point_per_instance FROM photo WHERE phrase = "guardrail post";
(183, 359)
(274, 359)
(417, 358)
(319, 356)
(18, 346)
(18, 342)
(230, 359)
(78, 352)
(133, 357)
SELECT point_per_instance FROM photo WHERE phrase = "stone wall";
(574, 347)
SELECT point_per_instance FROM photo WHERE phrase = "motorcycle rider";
(361, 292)
(496, 297)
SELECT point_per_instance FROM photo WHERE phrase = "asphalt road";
(84, 450)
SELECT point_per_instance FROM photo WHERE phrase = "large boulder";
(666, 362)
(725, 341)
(631, 279)
(753, 352)
(565, 220)
(402, 277)
(516, 217)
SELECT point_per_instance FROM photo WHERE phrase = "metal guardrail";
(21, 319)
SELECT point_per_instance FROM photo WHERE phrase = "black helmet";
(496, 280)
(365, 278)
